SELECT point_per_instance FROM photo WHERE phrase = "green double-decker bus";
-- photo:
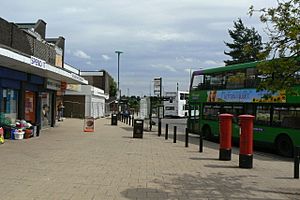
(232, 89)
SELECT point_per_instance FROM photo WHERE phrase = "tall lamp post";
(119, 97)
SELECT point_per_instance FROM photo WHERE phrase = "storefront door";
(30, 109)
(46, 104)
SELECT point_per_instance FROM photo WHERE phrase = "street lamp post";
(119, 98)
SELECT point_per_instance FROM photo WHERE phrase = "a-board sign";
(89, 124)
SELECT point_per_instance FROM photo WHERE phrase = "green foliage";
(132, 102)
(246, 44)
(279, 74)
(283, 30)
(112, 88)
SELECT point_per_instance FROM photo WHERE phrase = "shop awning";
(32, 65)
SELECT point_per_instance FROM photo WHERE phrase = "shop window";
(9, 105)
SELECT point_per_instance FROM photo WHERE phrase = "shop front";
(28, 89)
(48, 103)
(10, 87)
(18, 98)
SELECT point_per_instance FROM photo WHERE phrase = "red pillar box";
(225, 136)
(246, 141)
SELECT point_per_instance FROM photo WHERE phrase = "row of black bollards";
(125, 119)
(175, 136)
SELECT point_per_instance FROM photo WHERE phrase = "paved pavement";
(66, 163)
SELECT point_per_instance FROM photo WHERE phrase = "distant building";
(84, 101)
(103, 80)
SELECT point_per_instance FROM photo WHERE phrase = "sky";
(158, 38)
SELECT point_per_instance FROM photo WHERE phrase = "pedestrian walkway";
(66, 163)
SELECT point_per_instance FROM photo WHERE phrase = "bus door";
(194, 119)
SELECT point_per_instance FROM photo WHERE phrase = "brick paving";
(66, 163)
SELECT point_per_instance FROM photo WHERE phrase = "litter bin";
(138, 128)
(114, 119)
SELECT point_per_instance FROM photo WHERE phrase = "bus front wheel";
(284, 145)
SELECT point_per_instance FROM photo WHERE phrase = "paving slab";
(67, 163)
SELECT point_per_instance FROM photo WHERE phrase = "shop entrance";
(46, 109)
(30, 109)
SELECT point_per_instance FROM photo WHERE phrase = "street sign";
(161, 112)
(157, 86)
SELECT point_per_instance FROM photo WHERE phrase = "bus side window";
(251, 81)
(288, 117)
(262, 115)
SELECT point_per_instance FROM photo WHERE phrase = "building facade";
(85, 101)
(103, 80)
(32, 74)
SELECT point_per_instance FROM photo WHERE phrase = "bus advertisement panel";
(246, 95)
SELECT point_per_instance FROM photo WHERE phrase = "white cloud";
(166, 35)
(73, 10)
(89, 63)
(185, 59)
(81, 54)
(105, 57)
(164, 67)
(212, 63)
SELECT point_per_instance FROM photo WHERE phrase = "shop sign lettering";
(38, 62)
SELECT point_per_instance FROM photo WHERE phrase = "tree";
(112, 88)
(246, 44)
(283, 30)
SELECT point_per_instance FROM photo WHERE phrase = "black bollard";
(186, 137)
(132, 120)
(159, 127)
(175, 134)
(201, 143)
(167, 132)
(129, 121)
(296, 162)
(166, 135)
